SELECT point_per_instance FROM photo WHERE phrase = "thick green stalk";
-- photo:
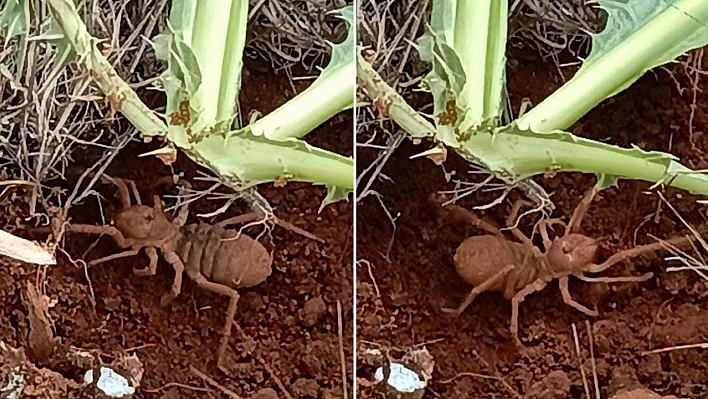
(466, 47)
(480, 43)
(218, 36)
(331, 93)
(513, 154)
(261, 160)
(618, 68)
(210, 30)
(311, 108)
(233, 60)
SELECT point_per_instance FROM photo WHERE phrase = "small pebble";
(313, 311)
(304, 388)
(253, 301)
(265, 393)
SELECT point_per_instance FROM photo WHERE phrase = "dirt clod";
(651, 366)
(555, 385)
(252, 301)
(313, 311)
(41, 337)
(265, 393)
(640, 393)
(624, 378)
(304, 388)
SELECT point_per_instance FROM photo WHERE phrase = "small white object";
(110, 383)
(401, 379)
(15, 385)
(24, 250)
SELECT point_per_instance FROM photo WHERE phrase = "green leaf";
(180, 80)
(605, 180)
(445, 83)
(182, 14)
(342, 53)
(628, 17)
(334, 194)
(183, 66)
(15, 17)
(65, 53)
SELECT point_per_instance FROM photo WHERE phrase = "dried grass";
(552, 27)
(50, 110)
(292, 32)
(388, 28)
(54, 110)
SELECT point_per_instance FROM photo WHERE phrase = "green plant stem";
(217, 39)
(620, 66)
(233, 59)
(318, 103)
(261, 160)
(512, 154)
(480, 35)
(516, 155)
(107, 79)
(390, 102)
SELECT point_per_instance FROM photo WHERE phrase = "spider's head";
(142, 222)
(573, 252)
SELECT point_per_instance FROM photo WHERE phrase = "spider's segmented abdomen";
(223, 256)
(479, 258)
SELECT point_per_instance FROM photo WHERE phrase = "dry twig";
(341, 349)
(581, 366)
(215, 384)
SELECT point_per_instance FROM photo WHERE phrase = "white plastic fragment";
(110, 383)
(14, 387)
(401, 378)
(14, 358)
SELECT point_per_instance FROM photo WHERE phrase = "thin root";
(297, 230)
(215, 384)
